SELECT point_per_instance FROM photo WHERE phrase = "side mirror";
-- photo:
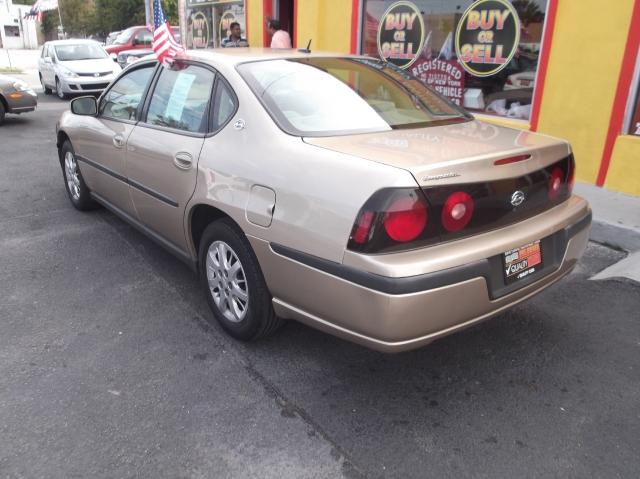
(84, 105)
(114, 57)
(47, 60)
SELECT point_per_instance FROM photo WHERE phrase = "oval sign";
(401, 34)
(199, 30)
(487, 37)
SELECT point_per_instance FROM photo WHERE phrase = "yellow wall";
(256, 21)
(586, 55)
(624, 169)
(327, 23)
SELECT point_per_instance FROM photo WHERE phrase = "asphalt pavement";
(109, 366)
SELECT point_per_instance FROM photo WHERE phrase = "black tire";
(82, 200)
(259, 318)
(62, 95)
(2, 112)
(47, 90)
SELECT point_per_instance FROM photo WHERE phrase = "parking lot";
(109, 366)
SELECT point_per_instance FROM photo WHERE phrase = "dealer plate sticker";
(522, 262)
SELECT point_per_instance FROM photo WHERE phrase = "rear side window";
(122, 100)
(181, 99)
(224, 105)
(144, 37)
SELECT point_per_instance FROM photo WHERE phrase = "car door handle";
(183, 160)
(118, 141)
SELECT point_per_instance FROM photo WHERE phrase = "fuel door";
(261, 205)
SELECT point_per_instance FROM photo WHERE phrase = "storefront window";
(634, 125)
(12, 31)
(208, 21)
(635, 120)
(481, 54)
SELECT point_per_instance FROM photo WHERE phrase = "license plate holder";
(520, 263)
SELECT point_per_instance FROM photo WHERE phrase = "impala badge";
(441, 176)
(517, 198)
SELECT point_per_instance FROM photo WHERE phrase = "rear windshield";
(123, 37)
(81, 51)
(341, 96)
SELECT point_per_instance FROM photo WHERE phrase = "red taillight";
(363, 227)
(511, 159)
(555, 183)
(572, 171)
(405, 219)
(457, 211)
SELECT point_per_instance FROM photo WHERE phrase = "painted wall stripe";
(355, 15)
(622, 92)
(267, 11)
(543, 64)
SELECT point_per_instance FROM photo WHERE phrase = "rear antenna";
(306, 50)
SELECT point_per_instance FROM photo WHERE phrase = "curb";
(615, 237)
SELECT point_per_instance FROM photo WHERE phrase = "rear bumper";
(376, 305)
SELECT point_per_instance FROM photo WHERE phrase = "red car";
(135, 37)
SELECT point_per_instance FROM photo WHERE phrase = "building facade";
(567, 68)
(15, 30)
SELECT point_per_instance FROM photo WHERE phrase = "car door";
(46, 64)
(101, 146)
(163, 149)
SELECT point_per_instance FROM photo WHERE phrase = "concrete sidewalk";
(24, 60)
(616, 223)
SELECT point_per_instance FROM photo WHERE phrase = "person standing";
(235, 38)
(279, 38)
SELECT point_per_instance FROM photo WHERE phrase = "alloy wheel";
(71, 172)
(227, 281)
(59, 91)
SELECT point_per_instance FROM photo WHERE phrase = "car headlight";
(131, 59)
(19, 85)
(68, 73)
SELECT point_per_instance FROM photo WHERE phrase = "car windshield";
(339, 96)
(80, 51)
(123, 37)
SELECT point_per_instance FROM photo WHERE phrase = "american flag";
(164, 44)
(41, 6)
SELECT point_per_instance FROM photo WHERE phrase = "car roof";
(71, 41)
(140, 51)
(233, 56)
(138, 27)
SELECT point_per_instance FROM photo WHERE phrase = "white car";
(75, 66)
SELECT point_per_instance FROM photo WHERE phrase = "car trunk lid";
(452, 154)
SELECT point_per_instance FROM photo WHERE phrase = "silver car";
(338, 191)
(75, 66)
(15, 97)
